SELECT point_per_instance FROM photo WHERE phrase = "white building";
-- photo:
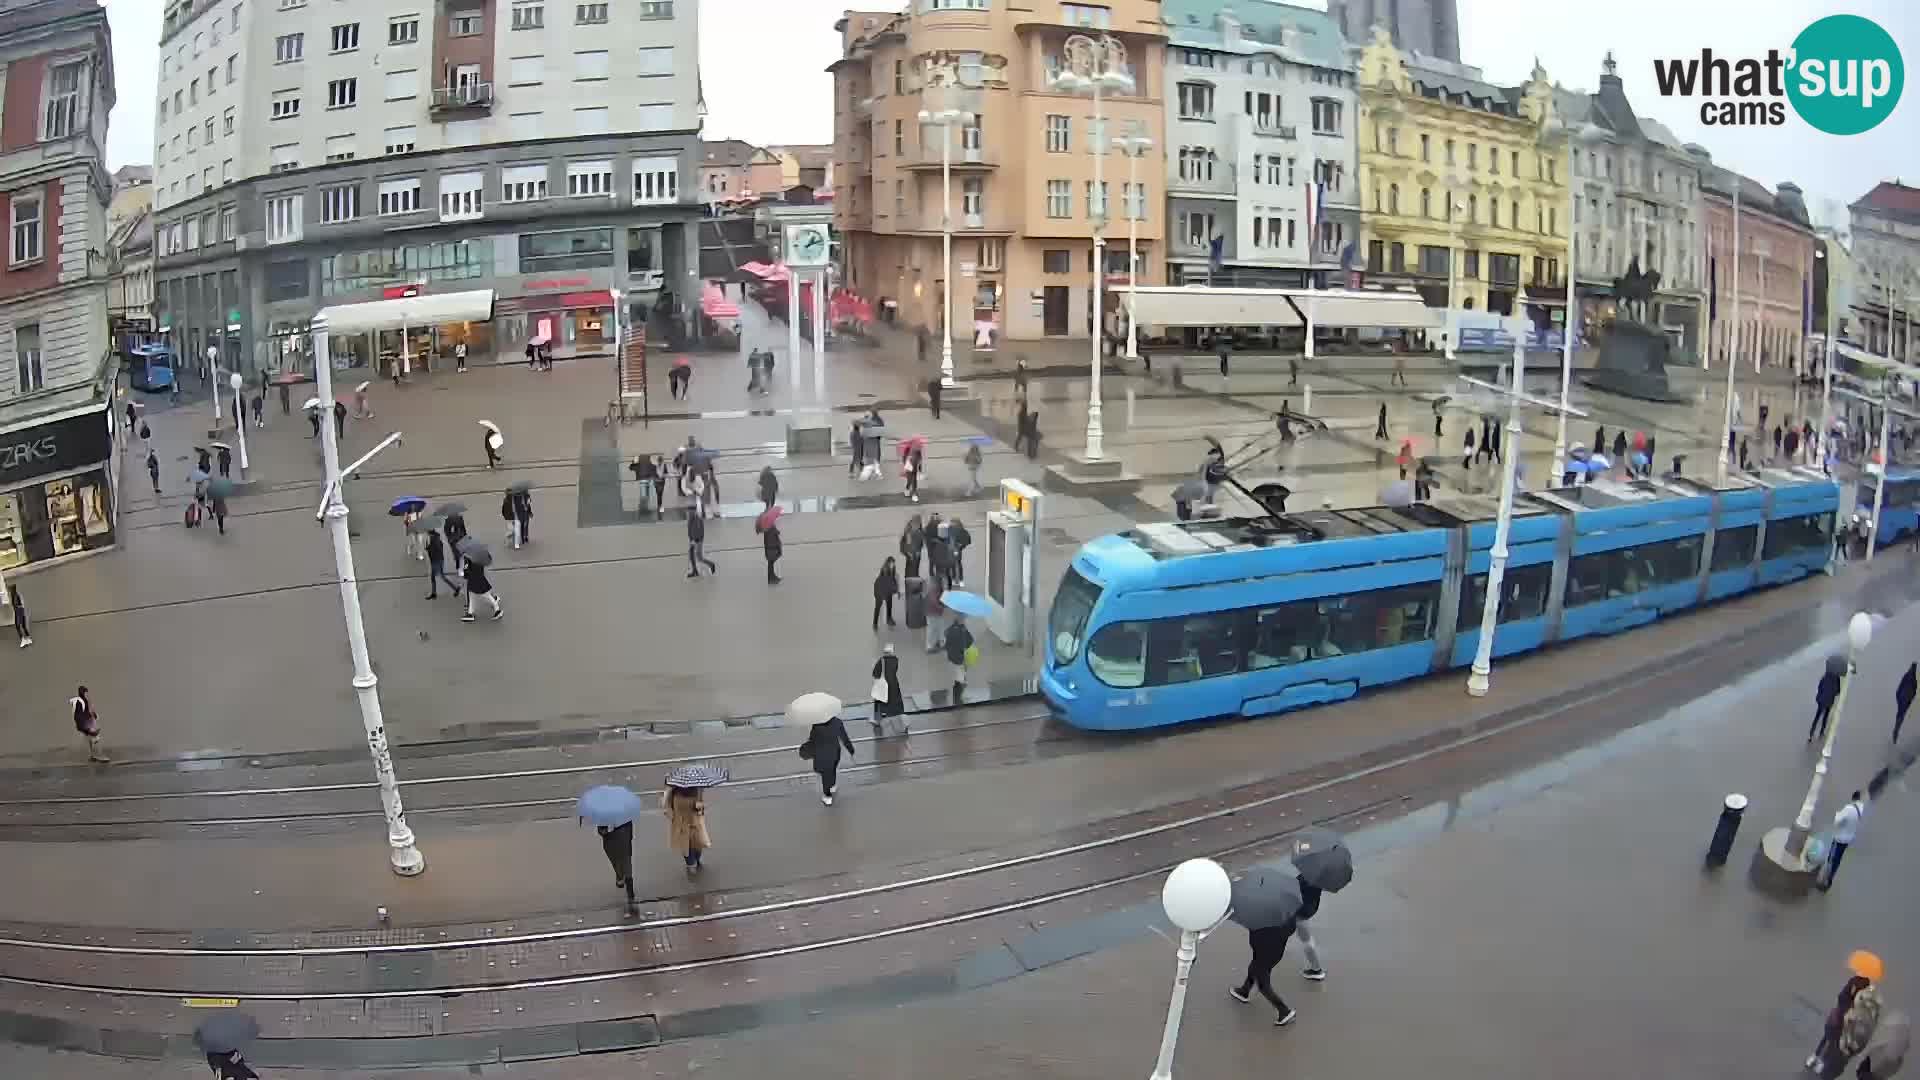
(1886, 252)
(310, 152)
(1260, 114)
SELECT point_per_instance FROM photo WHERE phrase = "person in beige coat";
(687, 825)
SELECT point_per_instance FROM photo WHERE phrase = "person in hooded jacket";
(478, 585)
(456, 530)
(770, 544)
(507, 515)
(1902, 696)
(913, 542)
(687, 826)
(886, 585)
(617, 842)
(959, 539)
(697, 545)
(523, 514)
(769, 485)
(958, 640)
(226, 462)
(822, 747)
(1824, 696)
(886, 674)
(437, 566)
(939, 554)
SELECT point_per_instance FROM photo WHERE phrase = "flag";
(1349, 254)
(1806, 304)
(1713, 290)
(1217, 252)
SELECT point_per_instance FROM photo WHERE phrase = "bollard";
(1724, 832)
(1307, 405)
(1174, 375)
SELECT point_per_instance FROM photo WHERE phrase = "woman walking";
(888, 700)
(770, 544)
(24, 632)
(911, 467)
(617, 842)
(86, 720)
(913, 541)
(822, 747)
(687, 825)
(507, 515)
(886, 585)
(769, 486)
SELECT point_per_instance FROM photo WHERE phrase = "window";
(1493, 160)
(1473, 208)
(193, 233)
(1397, 258)
(655, 60)
(340, 203)
(1059, 199)
(523, 183)
(1196, 101)
(529, 16)
(523, 126)
(1056, 261)
(226, 222)
(399, 196)
(1326, 116)
(1393, 198)
(656, 180)
(1134, 197)
(990, 254)
(340, 148)
(284, 218)
(1733, 548)
(285, 156)
(231, 62)
(1513, 220)
(288, 47)
(1523, 595)
(226, 171)
(1493, 212)
(1096, 15)
(1199, 228)
(400, 85)
(587, 14)
(206, 179)
(213, 80)
(590, 64)
(655, 117)
(1473, 156)
(226, 122)
(26, 235)
(287, 279)
(179, 102)
(656, 9)
(468, 24)
(1433, 260)
(199, 42)
(208, 128)
(899, 137)
(400, 140)
(590, 179)
(973, 194)
(64, 98)
(460, 196)
(192, 133)
(1059, 133)
(1789, 535)
(1471, 265)
(1330, 173)
(1426, 147)
(162, 115)
(1096, 203)
(403, 31)
(593, 120)
(345, 37)
(956, 5)
(574, 249)
(193, 92)
(1376, 256)
(1608, 575)
(26, 356)
(343, 93)
(286, 105)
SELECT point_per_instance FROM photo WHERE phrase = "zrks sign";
(73, 443)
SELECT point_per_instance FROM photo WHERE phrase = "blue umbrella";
(980, 440)
(966, 603)
(609, 805)
(197, 476)
(406, 504)
(1580, 467)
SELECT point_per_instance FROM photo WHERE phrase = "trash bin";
(1723, 833)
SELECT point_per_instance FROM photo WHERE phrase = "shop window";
(573, 249)
(77, 512)
(13, 533)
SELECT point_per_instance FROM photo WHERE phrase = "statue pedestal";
(1633, 363)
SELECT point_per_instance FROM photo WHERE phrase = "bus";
(1175, 622)
(150, 367)
(1899, 506)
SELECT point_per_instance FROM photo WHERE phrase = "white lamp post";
(1826, 373)
(1195, 897)
(1859, 635)
(1455, 208)
(942, 89)
(404, 856)
(1733, 353)
(239, 417)
(1093, 64)
(1135, 146)
(1572, 133)
(213, 372)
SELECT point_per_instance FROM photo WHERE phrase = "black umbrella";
(1837, 664)
(477, 553)
(220, 487)
(1268, 896)
(226, 1031)
(1323, 860)
(450, 509)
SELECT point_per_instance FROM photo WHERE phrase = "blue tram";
(1899, 507)
(1180, 621)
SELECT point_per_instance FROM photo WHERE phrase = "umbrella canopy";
(1837, 665)
(425, 523)
(520, 487)
(1398, 493)
(810, 709)
(700, 457)
(681, 361)
(1639, 440)
(406, 504)
(1322, 857)
(489, 425)
(226, 1031)
(697, 776)
(1268, 896)
(477, 553)
(1440, 402)
(767, 518)
(1192, 489)
(220, 446)
(911, 443)
(1578, 451)
(966, 603)
(220, 487)
(312, 403)
(362, 388)
(450, 509)
(197, 476)
(1639, 459)
(1866, 965)
(980, 440)
(608, 805)
(1598, 462)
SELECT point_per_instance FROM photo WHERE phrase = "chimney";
(1229, 27)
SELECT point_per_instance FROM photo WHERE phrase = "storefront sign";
(399, 292)
(73, 443)
(545, 284)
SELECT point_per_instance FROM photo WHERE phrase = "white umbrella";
(810, 709)
(494, 440)
(362, 388)
(489, 425)
(312, 403)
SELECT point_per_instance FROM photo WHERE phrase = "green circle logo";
(1846, 74)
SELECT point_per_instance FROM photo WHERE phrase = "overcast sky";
(763, 64)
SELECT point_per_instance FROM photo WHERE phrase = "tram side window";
(1117, 655)
(1674, 561)
(1609, 575)
(1283, 634)
(1404, 615)
(1194, 647)
(1788, 535)
(1524, 592)
(1733, 548)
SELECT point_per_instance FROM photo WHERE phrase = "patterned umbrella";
(697, 776)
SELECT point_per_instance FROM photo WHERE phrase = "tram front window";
(1067, 622)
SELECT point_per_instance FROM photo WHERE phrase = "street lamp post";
(1454, 209)
(1135, 146)
(213, 380)
(1826, 375)
(1195, 898)
(1094, 64)
(404, 856)
(1572, 133)
(1859, 635)
(942, 86)
(239, 417)
(1733, 352)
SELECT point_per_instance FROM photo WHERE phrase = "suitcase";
(193, 515)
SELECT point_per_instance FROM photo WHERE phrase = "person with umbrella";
(677, 378)
(1324, 864)
(686, 808)
(490, 443)
(826, 734)
(959, 539)
(339, 419)
(958, 640)
(153, 470)
(475, 560)
(888, 699)
(218, 490)
(203, 461)
(611, 810)
(313, 416)
(1825, 694)
(1266, 902)
(507, 515)
(222, 1037)
(1185, 494)
(520, 492)
(225, 459)
(769, 486)
(911, 469)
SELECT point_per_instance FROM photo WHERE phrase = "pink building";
(1775, 265)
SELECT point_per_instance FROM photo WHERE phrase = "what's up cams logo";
(1842, 75)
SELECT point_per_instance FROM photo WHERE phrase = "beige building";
(730, 168)
(132, 195)
(809, 165)
(1024, 201)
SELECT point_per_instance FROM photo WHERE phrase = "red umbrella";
(1639, 440)
(766, 519)
(911, 443)
(681, 361)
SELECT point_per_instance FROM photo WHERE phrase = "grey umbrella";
(226, 1031)
(1267, 896)
(1322, 857)
(425, 523)
(1192, 489)
(520, 487)
(1398, 493)
(1837, 664)
(449, 509)
(477, 553)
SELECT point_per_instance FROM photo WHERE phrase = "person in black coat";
(913, 541)
(23, 631)
(933, 396)
(153, 470)
(769, 485)
(887, 670)
(507, 515)
(478, 585)
(939, 555)
(339, 419)
(437, 566)
(226, 462)
(885, 587)
(959, 539)
(456, 530)
(203, 460)
(1824, 696)
(1380, 425)
(1902, 694)
(823, 744)
(770, 544)
(697, 546)
(617, 842)
(1269, 945)
(523, 514)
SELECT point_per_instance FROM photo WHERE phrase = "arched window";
(1426, 203)
(1393, 198)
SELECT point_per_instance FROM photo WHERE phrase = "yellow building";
(1429, 127)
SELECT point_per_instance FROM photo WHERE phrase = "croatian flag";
(1806, 305)
(1316, 194)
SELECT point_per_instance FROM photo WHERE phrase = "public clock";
(807, 245)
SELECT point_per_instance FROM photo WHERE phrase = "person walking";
(617, 842)
(231, 1066)
(219, 503)
(1902, 695)
(455, 527)
(313, 418)
(1021, 375)
(1467, 461)
(910, 468)
(507, 515)
(1404, 458)
(1399, 366)
(21, 629)
(958, 641)
(1310, 896)
(1269, 946)
(939, 555)
(486, 445)
(886, 585)
(478, 585)
(459, 357)
(1225, 351)
(1823, 697)
(1293, 371)
(523, 514)
(687, 825)
(920, 345)
(913, 542)
(770, 545)
(1846, 827)
(259, 403)
(933, 396)
(857, 445)
(1033, 435)
(822, 748)
(960, 540)
(769, 486)
(437, 566)
(973, 459)
(1822, 1061)
(339, 419)
(697, 545)
(1380, 424)
(888, 699)
(86, 720)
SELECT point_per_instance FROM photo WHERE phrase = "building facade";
(130, 260)
(56, 431)
(132, 194)
(1638, 203)
(1024, 202)
(1886, 248)
(1774, 266)
(1428, 27)
(1260, 148)
(312, 153)
(1449, 161)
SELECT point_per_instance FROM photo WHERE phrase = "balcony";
(1219, 185)
(1275, 131)
(965, 159)
(464, 98)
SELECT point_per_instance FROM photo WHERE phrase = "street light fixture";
(1733, 352)
(1135, 146)
(1091, 65)
(942, 88)
(213, 380)
(239, 417)
(1195, 899)
(1572, 133)
(1859, 636)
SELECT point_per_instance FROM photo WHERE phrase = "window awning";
(475, 305)
(1202, 306)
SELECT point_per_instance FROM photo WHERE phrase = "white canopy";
(1165, 305)
(472, 306)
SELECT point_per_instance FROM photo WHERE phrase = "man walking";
(437, 566)
(1823, 699)
(153, 470)
(1846, 826)
(459, 357)
(697, 543)
(933, 396)
(1226, 353)
(1269, 944)
(478, 585)
(21, 629)
(86, 720)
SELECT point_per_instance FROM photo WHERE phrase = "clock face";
(810, 245)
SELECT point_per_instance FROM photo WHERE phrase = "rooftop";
(1294, 34)
(1892, 199)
